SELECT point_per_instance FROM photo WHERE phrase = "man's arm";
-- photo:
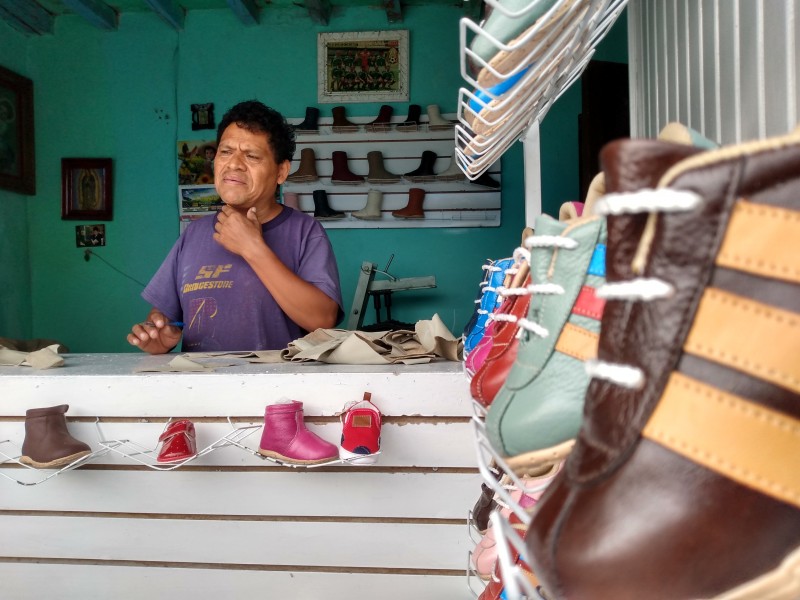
(156, 338)
(303, 302)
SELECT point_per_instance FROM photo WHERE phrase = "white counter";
(231, 524)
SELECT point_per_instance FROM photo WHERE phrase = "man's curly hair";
(256, 117)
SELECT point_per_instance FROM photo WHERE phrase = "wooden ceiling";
(36, 17)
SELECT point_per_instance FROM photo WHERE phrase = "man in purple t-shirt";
(255, 276)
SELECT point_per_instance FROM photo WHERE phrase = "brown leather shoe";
(48, 444)
(684, 482)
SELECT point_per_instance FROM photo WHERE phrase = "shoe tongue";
(632, 165)
(629, 166)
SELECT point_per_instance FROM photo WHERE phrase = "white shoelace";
(640, 289)
(543, 241)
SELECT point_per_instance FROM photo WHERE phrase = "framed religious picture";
(362, 66)
(17, 164)
(86, 189)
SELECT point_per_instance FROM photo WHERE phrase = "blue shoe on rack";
(490, 300)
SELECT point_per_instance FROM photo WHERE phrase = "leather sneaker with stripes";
(684, 481)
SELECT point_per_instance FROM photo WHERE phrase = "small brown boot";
(383, 122)
(340, 122)
(413, 209)
(48, 444)
(307, 171)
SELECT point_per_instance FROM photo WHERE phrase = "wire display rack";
(516, 87)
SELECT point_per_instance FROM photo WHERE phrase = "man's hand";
(238, 233)
(155, 336)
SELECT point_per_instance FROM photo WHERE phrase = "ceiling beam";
(246, 10)
(169, 10)
(394, 12)
(318, 10)
(98, 13)
(27, 16)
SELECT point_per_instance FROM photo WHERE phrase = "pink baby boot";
(286, 438)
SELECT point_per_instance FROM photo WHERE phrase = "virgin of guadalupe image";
(88, 191)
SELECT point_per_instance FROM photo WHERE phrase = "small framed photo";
(86, 189)
(17, 159)
(362, 66)
(90, 236)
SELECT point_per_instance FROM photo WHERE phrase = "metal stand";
(367, 286)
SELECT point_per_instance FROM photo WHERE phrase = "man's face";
(245, 173)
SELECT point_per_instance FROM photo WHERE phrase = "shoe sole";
(357, 459)
(59, 462)
(531, 463)
(781, 584)
(295, 461)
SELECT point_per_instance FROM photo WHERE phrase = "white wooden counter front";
(230, 524)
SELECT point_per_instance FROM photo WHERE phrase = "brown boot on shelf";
(340, 122)
(689, 446)
(377, 172)
(372, 210)
(341, 172)
(307, 171)
(383, 122)
(48, 444)
(413, 210)
(412, 120)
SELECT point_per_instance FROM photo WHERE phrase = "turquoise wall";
(15, 272)
(126, 95)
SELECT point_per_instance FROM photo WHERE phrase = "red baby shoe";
(361, 432)
(178, 442)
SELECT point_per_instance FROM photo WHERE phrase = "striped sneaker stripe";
(726, 433)
(749, 346)
(762, 239)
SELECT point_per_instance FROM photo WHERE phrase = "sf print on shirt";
(203, 309)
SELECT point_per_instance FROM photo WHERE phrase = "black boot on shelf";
(322, 210)
(412, 120)
(425, 170)
(310, 125)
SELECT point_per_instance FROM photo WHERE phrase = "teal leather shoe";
(536, 415)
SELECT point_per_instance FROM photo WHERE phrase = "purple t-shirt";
(223, 304)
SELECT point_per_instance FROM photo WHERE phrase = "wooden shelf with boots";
(367, 174)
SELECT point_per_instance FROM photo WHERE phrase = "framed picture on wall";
(362, 66)
(86, 189)
(17, 166)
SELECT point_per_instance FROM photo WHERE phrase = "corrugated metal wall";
(727, 68)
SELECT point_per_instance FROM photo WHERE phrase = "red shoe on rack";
(361, 432)
(177, 442)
